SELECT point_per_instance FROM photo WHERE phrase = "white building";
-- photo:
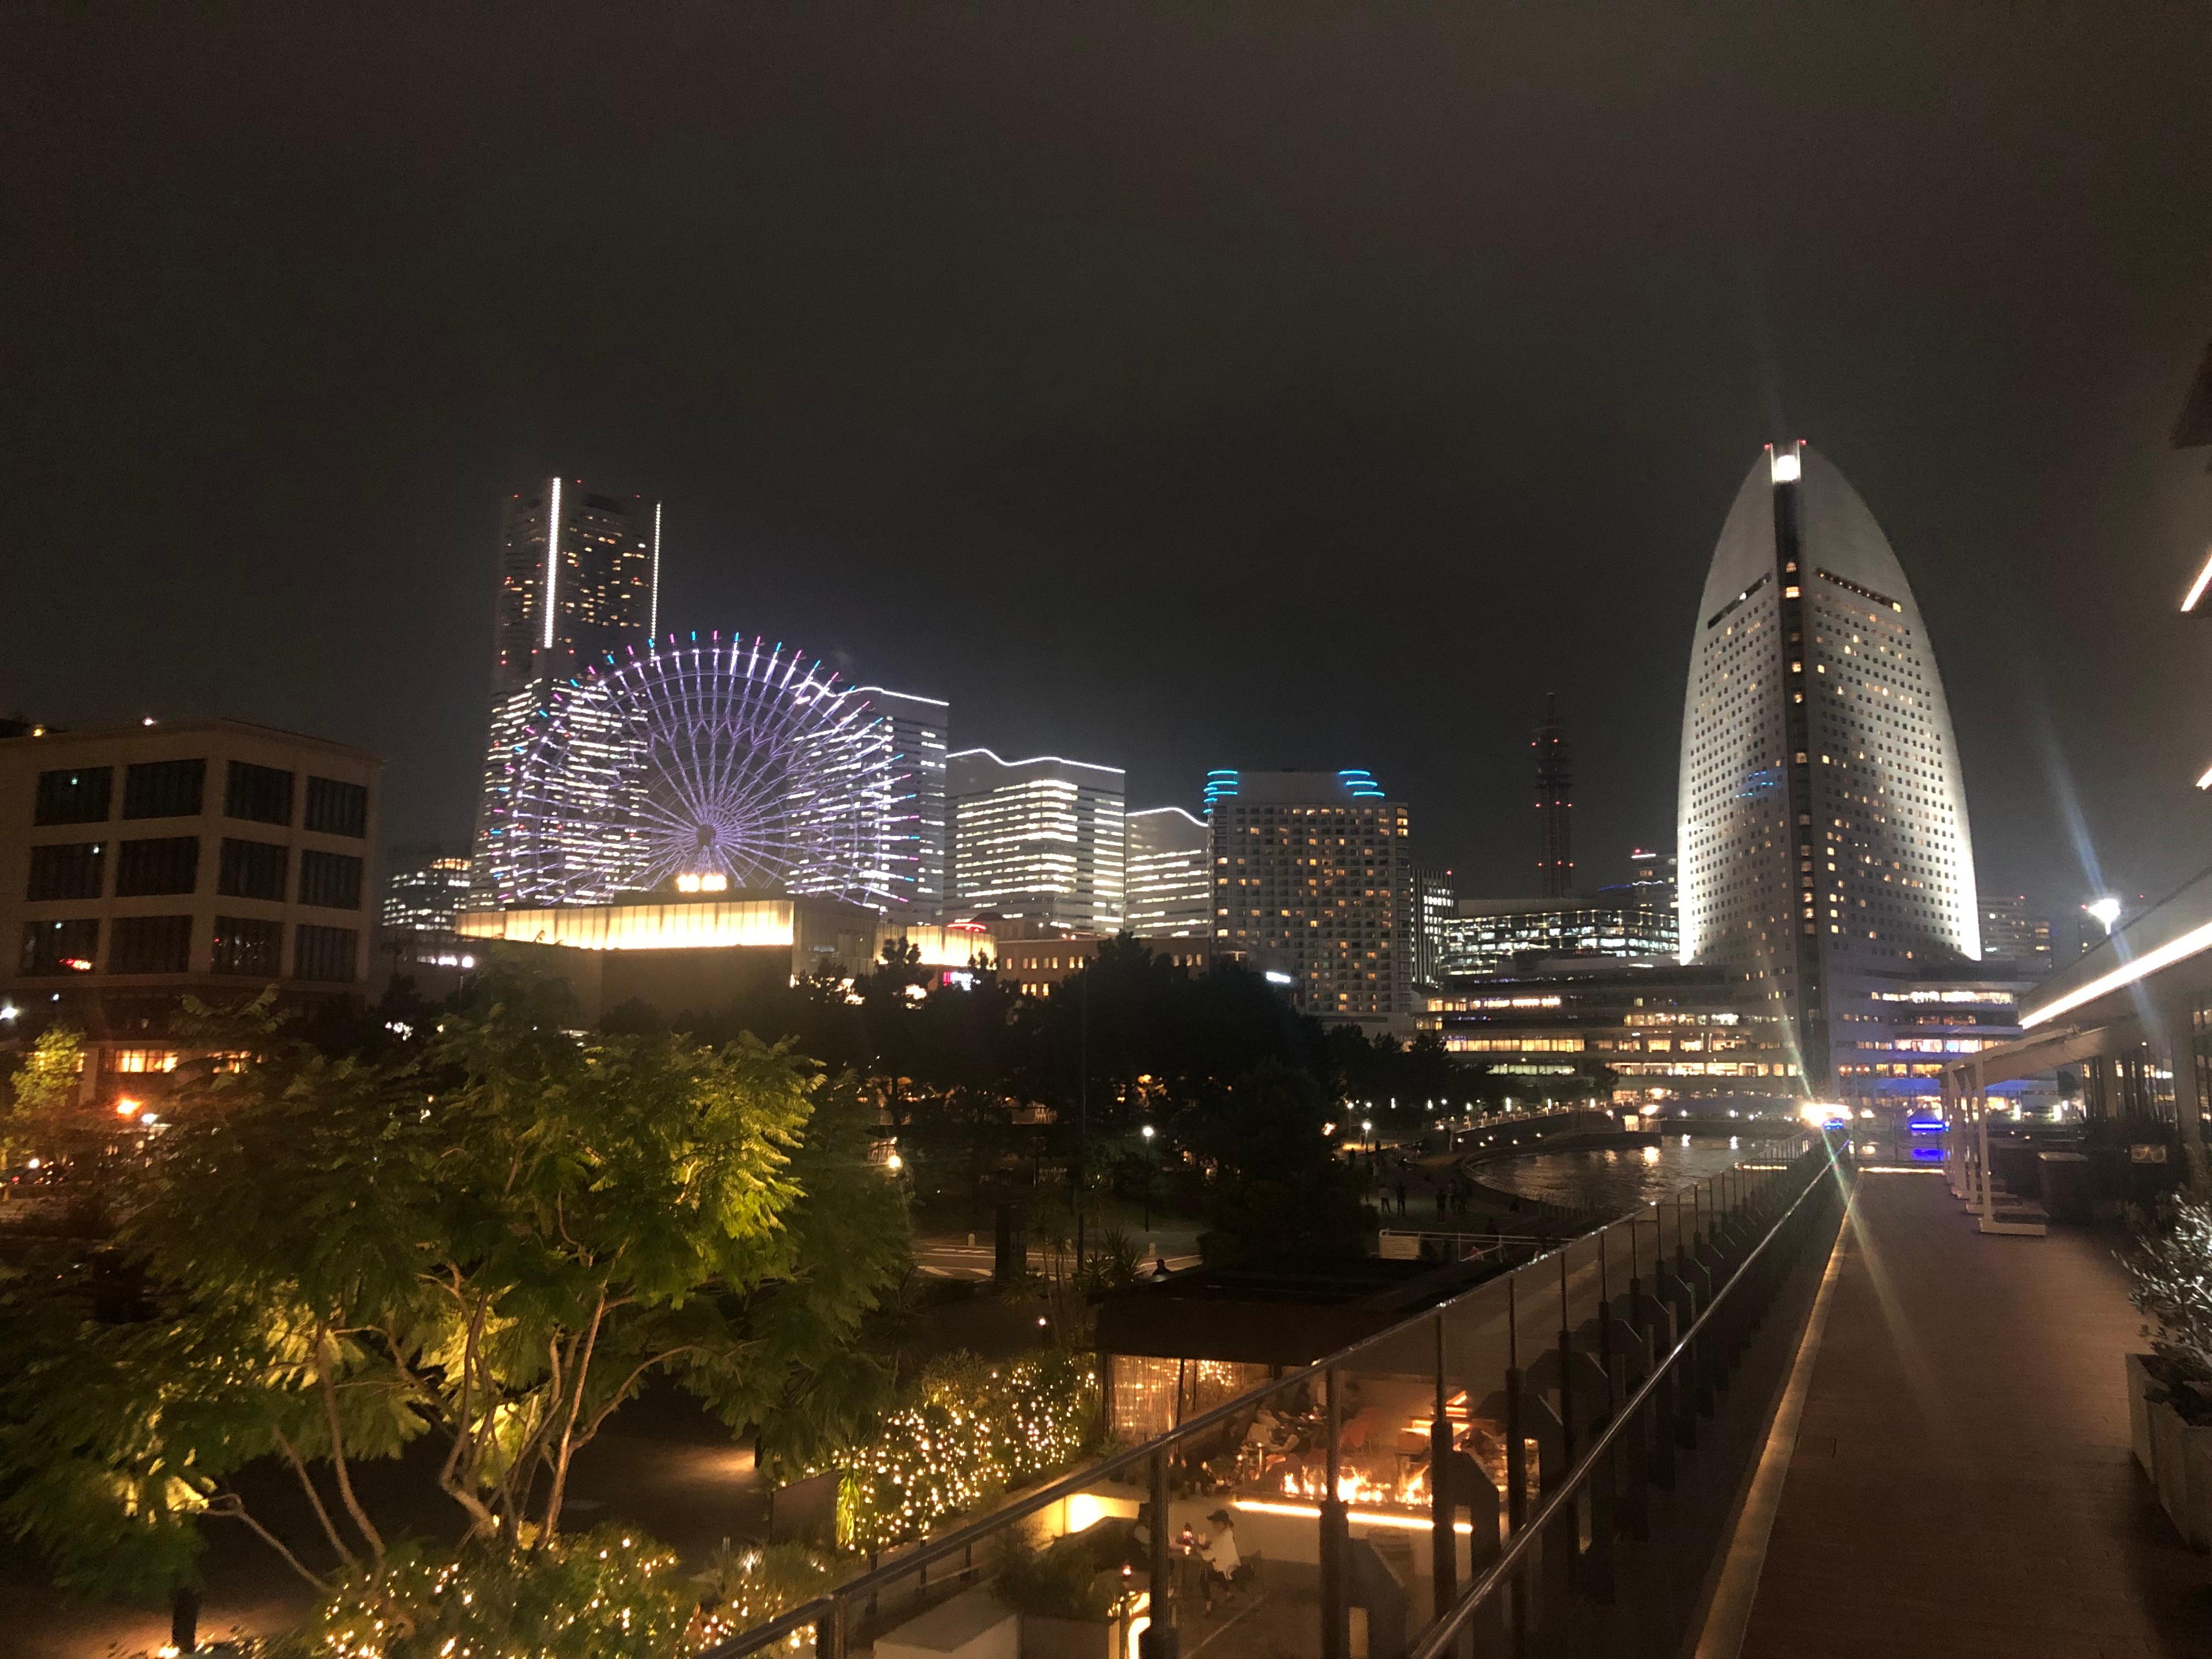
(920, 828)
(1313, 883)
(1039, 840)
(1822, 816)
(1171, 875)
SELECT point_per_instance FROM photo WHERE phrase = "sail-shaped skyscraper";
(1824, 843)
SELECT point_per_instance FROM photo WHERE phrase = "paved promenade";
(1961, 1483)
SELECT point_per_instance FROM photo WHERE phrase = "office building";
(142, 864)
(427, 887)
(1435, 909)
(1313, 884)
(1498, 936)
(1555, 805)
(2015, 944)
(1170, 878)
(1822, 831)
(1666, 1030)
(579, 584)
(918, 835)
(1040, 840)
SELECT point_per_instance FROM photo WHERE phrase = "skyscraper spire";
(1555, 789)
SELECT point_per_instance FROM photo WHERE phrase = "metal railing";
(1528, 1429)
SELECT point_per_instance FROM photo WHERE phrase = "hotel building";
(1039, 840)
(1822, 830)
(578, 582)
(1313, 884)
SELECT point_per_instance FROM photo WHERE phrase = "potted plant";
(2170, 1397)
(1067, 1603)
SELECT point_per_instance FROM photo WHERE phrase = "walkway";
(1962, 1482)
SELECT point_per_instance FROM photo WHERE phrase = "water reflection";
(1613, 1181)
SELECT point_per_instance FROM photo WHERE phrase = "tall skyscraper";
(1555, 805)
(1823, 833)
(1039, 840)
(921, 818)
(578, 581)
(1169, 883)
(1313, 882)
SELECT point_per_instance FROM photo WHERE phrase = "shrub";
(752, 1583)
(972, 1431)
(604, 1592)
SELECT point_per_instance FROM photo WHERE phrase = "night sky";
(1177, 387)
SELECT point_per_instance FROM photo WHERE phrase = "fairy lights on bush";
(974, 1430)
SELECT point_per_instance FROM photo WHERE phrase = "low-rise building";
(1666, 1030)
(143, 864)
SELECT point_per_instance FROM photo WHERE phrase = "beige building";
(141, 863)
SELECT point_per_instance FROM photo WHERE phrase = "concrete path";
(1960, 1482)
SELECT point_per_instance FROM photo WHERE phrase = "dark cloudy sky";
(1177, 386)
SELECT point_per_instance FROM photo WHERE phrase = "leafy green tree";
(496, 1245)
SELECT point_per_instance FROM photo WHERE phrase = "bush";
(599, 1594)
(752, 1584)
(972, 1431)
(1061, 1582)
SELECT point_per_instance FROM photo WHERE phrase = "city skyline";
(922, 429)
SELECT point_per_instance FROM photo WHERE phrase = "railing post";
(1444, 1508)
(829, 1634)
(1159, 1641)
(1335, 1540)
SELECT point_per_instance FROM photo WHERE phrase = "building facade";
(1822, 819)
(578, 583)
(1497, 936)
(919, 833)
(425, 891)
(142, 864)
(1170, 875)
(1313, 884)
(1668, 1031)
(2014, 942)
(1040, 840)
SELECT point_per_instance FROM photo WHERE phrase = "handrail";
(1447, 1629)
(926, 1552)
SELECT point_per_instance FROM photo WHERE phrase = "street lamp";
(1147, 1132)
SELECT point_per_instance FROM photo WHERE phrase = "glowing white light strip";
(652, 604)
(1148, 811)
(1054, 759)
(552, 559)
(2197, 939)
(2205, 782)
(911, 696)
(1352, 1511)
(2197, 588)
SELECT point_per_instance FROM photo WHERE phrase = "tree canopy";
(494, 1241)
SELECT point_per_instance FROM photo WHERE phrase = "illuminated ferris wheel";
(716, 763)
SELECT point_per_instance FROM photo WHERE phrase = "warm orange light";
(126, 1107)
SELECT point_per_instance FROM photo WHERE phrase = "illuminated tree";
(495, 1246)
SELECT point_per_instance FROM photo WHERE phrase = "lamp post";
(1147, 1132)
